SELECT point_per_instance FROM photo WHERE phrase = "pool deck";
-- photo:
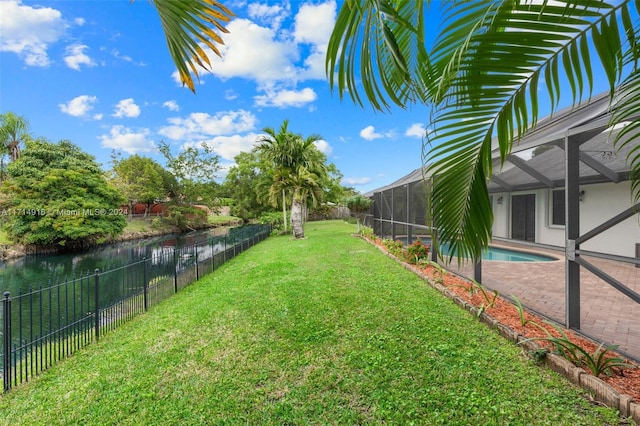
(606, 314)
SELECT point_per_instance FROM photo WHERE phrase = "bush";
(274, 219)
(395, 248)
(367, 232)
(156, 223)
(417, 251)
(322, 212)
(187, 217)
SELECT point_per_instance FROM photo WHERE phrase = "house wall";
(601, 203)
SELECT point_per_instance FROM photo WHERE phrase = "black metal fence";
(49, 323)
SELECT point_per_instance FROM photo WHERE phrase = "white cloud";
(131, 142)
(200, 125)
(270, 15)
(355, 181)
(369, 133)
(286, 98)
(171, 105)
(116, 54)
(79, 21)
(75, 57)
(127, 108)
(28, 31)
(230, 94)
(314, 23)
(415, 130)
(253, 52)
(273, 55)
(324, 147)
(79, 106)
(227, 147)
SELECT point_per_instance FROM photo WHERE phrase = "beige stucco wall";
(601, 203)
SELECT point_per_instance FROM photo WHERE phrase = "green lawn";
(140, 225)
(325, 330)
(218, 219)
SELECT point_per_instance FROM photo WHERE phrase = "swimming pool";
(508, 255)
(504, 254)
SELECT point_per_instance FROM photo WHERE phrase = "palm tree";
(188, 26)
(303, 185)
(298, 167)
(14, 130)
(275, 146)
(483, 78)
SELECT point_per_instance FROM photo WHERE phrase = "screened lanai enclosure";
(565, 193)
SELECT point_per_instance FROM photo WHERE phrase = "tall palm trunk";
(284, 210)
(14, 150)
(296, 218)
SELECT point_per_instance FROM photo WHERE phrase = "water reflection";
(34, 271)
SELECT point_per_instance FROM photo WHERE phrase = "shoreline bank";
(14, 251)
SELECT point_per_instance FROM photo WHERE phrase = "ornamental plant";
(395, 248)
(599, 362)
(417, 251)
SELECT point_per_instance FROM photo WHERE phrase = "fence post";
(96, 294)
(175, 270)
(145, 284)
(6, 339)
(213, 254)
(234, 246)
(196, 258)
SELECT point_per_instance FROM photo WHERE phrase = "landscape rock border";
(600, 391)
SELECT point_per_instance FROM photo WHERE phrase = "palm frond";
(490, 78)
(626, 112)
(187, 24)
(386, 39)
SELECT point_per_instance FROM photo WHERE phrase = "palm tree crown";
(14, 130)
(298, 169)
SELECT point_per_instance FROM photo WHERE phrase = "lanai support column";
(407, 220)
(572, 231)
(393, 214)
(477, 270)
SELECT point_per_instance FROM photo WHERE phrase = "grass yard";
(325, 330)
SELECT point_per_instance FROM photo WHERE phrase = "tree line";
(54, 194)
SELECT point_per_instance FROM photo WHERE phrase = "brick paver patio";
(606, 314)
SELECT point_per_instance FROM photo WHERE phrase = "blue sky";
(99, 74)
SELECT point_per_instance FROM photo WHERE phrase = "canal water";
(33, 271)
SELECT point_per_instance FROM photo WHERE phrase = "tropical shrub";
(367, 232)
(359, 205)
(601, 361)
(395, 248)
(417, 251)
(274, 219)
(187, 217)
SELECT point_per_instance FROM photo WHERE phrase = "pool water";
(505, 254)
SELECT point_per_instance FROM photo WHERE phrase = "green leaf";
(184, 24)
